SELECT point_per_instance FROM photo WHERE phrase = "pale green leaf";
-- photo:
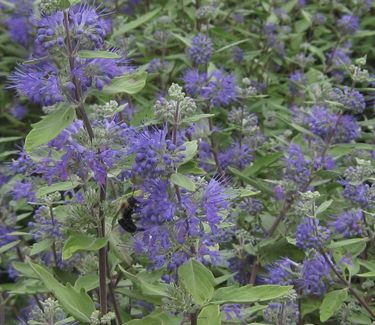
(183, 181)
(197, 280)
(79, 242)
(76, 303)
(87, 54)
(130, 83)
(249, 294)
(331, 303)
(210, 315)
(60, 186)
(49, 127)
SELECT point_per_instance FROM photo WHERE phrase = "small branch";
(77, 85)
(214, 147)
(194, 318)
(348, 285)
(113, 297)
(102, 257)
(53, 243)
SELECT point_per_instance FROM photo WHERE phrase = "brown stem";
(77, 85)
(102, 257)
(348, 285)
(194, 318)
(113, 297)
(53, 243)
(254, 271)
(214, 147)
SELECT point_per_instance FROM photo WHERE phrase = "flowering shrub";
(187, 162)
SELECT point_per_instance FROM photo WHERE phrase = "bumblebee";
(126, 210)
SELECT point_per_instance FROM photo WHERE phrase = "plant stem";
(348, 285)
(102, 256)
(53, 243)
(77, 85)
(113, 297)
(214, 147)
(194, 318)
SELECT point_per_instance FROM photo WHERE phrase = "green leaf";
(63, 4)
(76, 303)
(150, 289)
(197, 280)
(231, 45)
(25, 270)
(87, 282)
(79, 242)
(210, 315)
(249, 294)
(126, 27)
(367, 275)
(331, 303)
(324, 206)
(130, 83)
(347, 242)
(49, 127)
(156, 318)
(183, 181)
(261, 163)
(8, 246)
(190, 151)
(61, 186)
(196, 118)
(257, 183)
(183, 39)
(86, 54)
(190, 168)
(9, 139)
(41, 246)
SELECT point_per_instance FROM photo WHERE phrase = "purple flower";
(85, 24)
(352, 99)
(348, 24)
(201, 49)
(232, 311)
(236, 155)
(39, 82)
(349, 223)
(20, 29)
(238, 54)
(215, 201)
(332, 127)
(99, 72)
(221, 89)
(297, 166)
(319, 18)
(315, 276)
(194, 82)
(362, 194)
(18, 111)
(310, 234)
(158, 207)
(154, 153)
(44, 227)
(279, 192)
(282, 272)
(297, 81)
(282, 312)
(19, 24)
(5, 238)
(242, 266)
(252, 206)
(23, 190)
